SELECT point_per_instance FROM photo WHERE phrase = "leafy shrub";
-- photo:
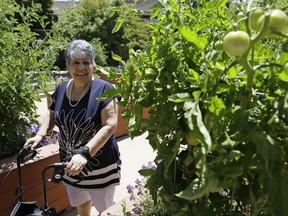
(22, 55)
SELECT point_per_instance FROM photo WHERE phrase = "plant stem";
(250, 74)
(249, 70)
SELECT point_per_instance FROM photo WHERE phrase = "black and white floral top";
(77, 126)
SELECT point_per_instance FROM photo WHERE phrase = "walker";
(22, 208)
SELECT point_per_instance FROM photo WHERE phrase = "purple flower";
(139, 193)
(44, 142)
(137, 210)
(132, 198)
(150, 166)
(130, 188)
(138, 182)
(50, 138)
(33, 129)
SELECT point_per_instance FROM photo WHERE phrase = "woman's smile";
(81, 70)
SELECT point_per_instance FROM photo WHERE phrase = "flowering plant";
(51, 138)
(143, 202)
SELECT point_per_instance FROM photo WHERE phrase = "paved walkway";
(134, 154)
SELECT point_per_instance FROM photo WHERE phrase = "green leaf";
(233, 169)
(110, 93)
(277, 189)
(179, 97)
(116, 57)
(232, 72)
(193, 116)
(284, 74)
(146, 172)
(239, 121)
(201, 186)
(216, 105)
(196, 94)
(155, 13)
(266, 149)
(118, 25)
(191, 36)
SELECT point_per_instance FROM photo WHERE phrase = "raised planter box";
(31, 182)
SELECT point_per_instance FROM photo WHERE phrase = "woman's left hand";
(76, 165)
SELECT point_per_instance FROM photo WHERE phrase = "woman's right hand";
(34, 141)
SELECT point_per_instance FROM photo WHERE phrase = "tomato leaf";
(110, 93)
(193, 116)
(216, 105)
(278, 187)
(179, 97)
(200, 186)
(284, 74)
(266, 149)
(191, 36)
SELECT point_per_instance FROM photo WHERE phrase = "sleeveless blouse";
(77, 126)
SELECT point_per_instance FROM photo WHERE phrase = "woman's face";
(81, 70)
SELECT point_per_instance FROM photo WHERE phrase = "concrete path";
(134, 154)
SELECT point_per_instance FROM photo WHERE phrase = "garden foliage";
(22, 55)
(217, 122)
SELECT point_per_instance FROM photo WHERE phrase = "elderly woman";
(86, 128)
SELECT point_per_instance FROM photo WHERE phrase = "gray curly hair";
(79, 48)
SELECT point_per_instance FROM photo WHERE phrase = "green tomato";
(191, 139)
(236, 43)
(277, 21)
(240, 15)
(254, 17)
(219, 45)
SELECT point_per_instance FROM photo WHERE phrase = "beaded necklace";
(70, 94)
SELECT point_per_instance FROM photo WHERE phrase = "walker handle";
(26, 154)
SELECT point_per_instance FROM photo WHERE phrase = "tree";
(44, 10)
(94, 21)
(136, 34)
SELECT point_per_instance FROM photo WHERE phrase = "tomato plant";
(237, 107)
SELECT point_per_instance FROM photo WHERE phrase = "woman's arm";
(47, 125)
(109, 120)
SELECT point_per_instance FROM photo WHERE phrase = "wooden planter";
(122, 127)
(31, 181)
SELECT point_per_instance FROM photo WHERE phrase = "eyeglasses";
(78, 64)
